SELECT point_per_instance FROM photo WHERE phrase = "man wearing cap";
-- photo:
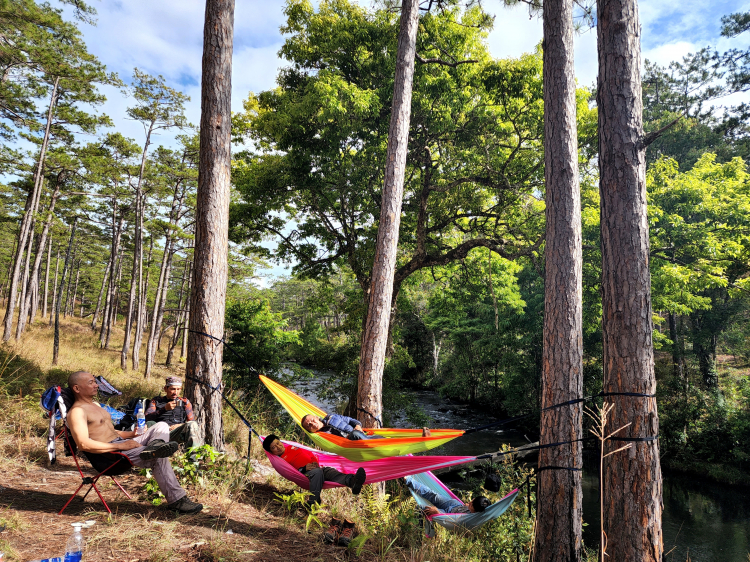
(177, 412)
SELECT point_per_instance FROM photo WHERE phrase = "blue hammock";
(457, 521)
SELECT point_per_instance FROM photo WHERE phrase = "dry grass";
(262, 529)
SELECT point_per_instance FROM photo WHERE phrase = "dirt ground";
(30, 498)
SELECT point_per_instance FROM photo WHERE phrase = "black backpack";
(129, 410)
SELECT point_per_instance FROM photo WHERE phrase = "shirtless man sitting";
(91, 428)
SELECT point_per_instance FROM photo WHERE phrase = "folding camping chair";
(105, 464)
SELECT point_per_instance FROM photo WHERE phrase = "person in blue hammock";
(343, 426)
(445, 504)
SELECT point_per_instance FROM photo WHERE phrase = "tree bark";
(186, 327)
(116, 258)
(632, 478)
(136, 282)
(27, 302)
(142, 317)
(208, 298)
(159, 300)
(66, 298)
(559, 521)
(75, 289)
(46, 277)
(54, 288)
(380, 298)
(24, 232)
(114, 302)
(181, 315)
(56, 344)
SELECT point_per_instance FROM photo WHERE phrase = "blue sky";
(165, 37)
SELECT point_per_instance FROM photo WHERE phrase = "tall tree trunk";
(46, 277)
(376, 329)
(212, 219)
(24, 231)
(130, 311)
(559, 521)
(102, 292)
(54, 288)
(114, 303)
(56, 344)
(27, 279)
(116, 257)
(137, 273)
(632, 478)
(159, 300)
(27, 303)
(142, 311)
(75, 289)
(186, 326)
(180, 314)
(66, 300)
(678, 366)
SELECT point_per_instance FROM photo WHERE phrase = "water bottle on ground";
(140, 418)
(74, 548)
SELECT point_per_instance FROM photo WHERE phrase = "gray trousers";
(161, 468)
(186, 433)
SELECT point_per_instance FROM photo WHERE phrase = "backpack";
(493, 482)
(128, 409)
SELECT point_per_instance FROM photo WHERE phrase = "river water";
(702, 521)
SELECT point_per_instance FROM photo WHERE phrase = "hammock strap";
(560, 405)
(373, 416)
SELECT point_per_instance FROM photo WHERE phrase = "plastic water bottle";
(74, 548)
(140, 418)
(55, 559)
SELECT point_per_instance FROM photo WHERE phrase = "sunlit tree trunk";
(54, 289)
(56, 342)
(46, 277)
(159, 301)
(376, 328)
(24, 234)
(114, 302)
(559, 516)
(142, 310)
(208, 296)
(30, 302)
(632, 478)
(181, 315)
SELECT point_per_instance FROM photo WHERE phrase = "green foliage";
(257, 334)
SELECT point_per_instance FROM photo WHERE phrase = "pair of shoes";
(159, 449)
(347, 533)
(357, 480)
(184, 506)
(331, 535)
(426, 432)
(341, 532)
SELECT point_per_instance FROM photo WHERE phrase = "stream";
(702, 521)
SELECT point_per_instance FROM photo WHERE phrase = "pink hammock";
(377, 470)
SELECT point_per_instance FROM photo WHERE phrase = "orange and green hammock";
(400, 442)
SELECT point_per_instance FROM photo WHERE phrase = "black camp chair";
(105, 464)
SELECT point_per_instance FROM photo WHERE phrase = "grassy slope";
(263, 528)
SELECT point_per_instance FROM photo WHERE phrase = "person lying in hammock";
(343, 426)
(307, 463)
(445, 504)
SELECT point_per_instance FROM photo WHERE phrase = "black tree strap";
(218, 389)
(373, 416)
(634, 394)
(634, 439)
(560, 405)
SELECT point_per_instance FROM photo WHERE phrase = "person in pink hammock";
(307, 463)
(340, 532)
